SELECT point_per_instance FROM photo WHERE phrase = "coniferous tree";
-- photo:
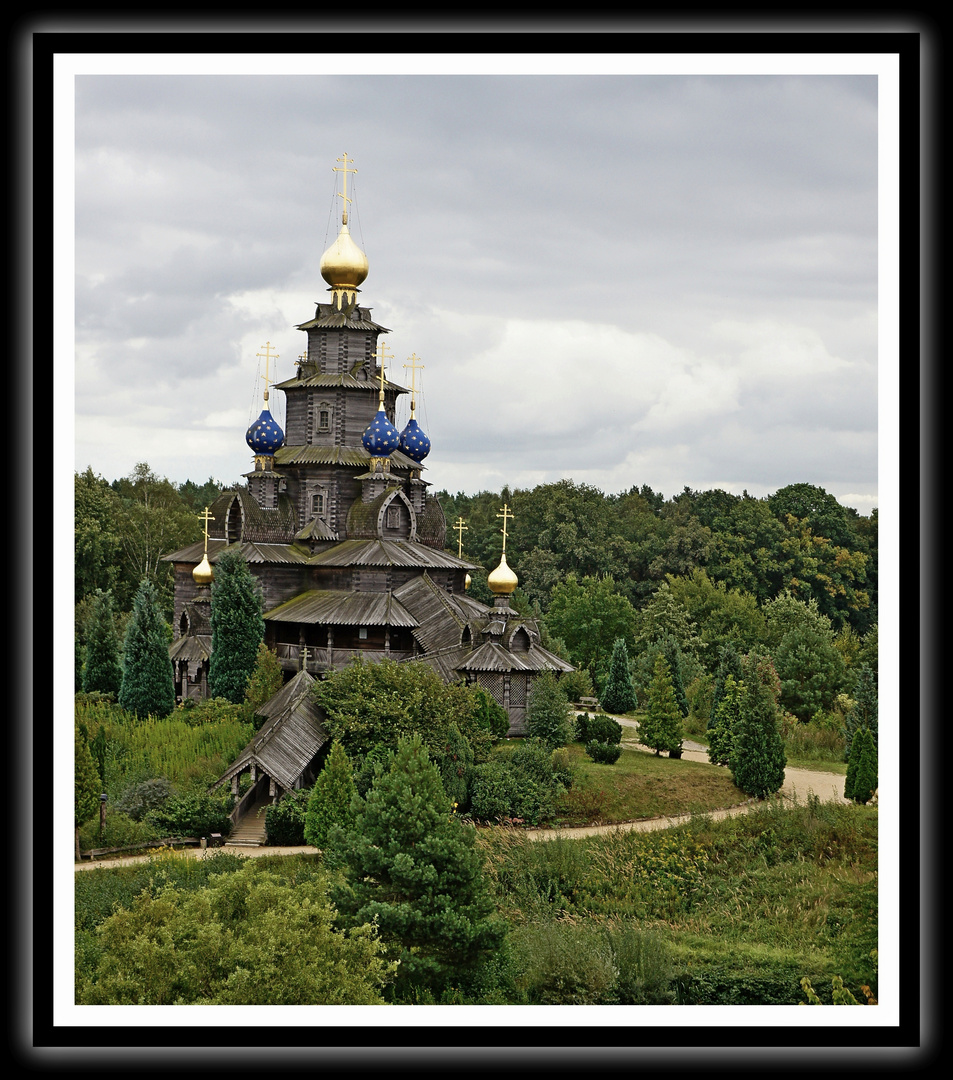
(863, 713)
(729, 663)
(237, 628)
(330, 800)
(102, 670)
(721, 729)
(410, 865)
(861, 780)
(757, 757)
(147, 685)
(619, 693)
(86, 784)
(547, 712)
(661, 727)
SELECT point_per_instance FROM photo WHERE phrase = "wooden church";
(349, 547)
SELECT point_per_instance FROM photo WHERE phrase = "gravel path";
(798, 783)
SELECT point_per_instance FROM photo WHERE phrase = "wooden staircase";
(250, 831)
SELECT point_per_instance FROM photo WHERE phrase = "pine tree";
(237, 628)
(330, 800)
(619, 693)
(147, 685)
(661, 727)
(410, 865)
(757, 757)
(102, 670)
(861, 780)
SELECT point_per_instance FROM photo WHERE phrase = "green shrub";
(604, 729)
(581, 727)
(577, 684)
(603, 753)
(285, 819)
(194, 814)
(120, 830)
(138, 799)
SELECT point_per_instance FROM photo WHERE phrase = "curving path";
(798, 783)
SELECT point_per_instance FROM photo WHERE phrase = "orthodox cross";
(414, 368)
(505, 513)
(460, 528)
(205, 517)
(267, 358)
(382, 357)
(304, 657)
(344, 169)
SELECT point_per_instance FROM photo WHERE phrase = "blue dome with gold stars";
(380, 437)
(264, 436)
(413, 442)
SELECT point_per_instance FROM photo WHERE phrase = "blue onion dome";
(264, 436)
(413, 442)
(380, 438)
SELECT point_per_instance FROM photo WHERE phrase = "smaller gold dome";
(467, 582)
(344, 265)
(502, 580)
(203, 573)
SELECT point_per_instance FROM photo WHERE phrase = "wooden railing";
(322, 659)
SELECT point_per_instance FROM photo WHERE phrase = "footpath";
(798, 785)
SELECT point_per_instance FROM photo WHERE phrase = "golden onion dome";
(467, 582)
(344, 265)
(203, 574)
(502, 581)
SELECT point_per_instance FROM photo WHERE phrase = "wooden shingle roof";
(339, 608)
(290, 737)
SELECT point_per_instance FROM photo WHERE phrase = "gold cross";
(267, 357)
(206, 516)
(344, 169)
(460, 529)
(414, 368)
(505, 514)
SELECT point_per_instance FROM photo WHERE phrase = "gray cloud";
(674, 276)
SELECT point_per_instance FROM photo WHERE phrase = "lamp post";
(102, 813)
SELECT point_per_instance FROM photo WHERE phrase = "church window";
(317, 503)
(393, 517)
(324, 417)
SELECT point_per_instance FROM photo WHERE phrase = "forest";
(682, 602)
(793, 574)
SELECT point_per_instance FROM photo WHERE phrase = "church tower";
(338, 526)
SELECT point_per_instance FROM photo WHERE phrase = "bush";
(577, 684)
(604, 753)
(136, 801)
(604, 729)
(547, 714)
(119, 831)
(193, 815)
(285, 819)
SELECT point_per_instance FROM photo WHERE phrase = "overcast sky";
(667, 279)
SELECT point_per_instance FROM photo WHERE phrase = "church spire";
(344, 265)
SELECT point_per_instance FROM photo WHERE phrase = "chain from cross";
(506, 514)
(460, 529)
(206, 517)
(414, 368)
(344, 169)
(267, 357)
(382, 357)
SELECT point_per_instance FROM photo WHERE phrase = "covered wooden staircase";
(250, 831)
